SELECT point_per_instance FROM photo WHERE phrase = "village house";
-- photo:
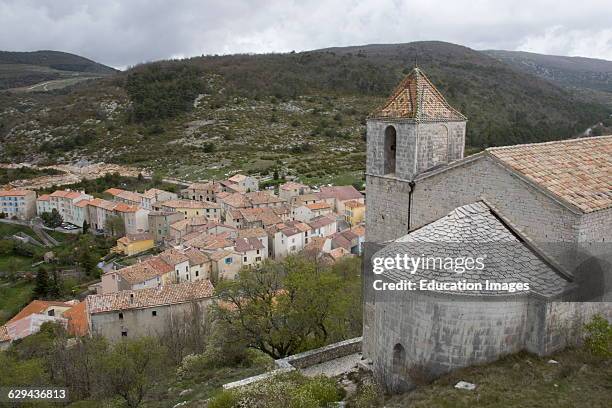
(200, 266)
(291, 189)
(148, 312)
(179, 262)
(337, 196)
(153, 196)
(354, 212)
(43, 204)
(124, 196)
(135, 219)
(133, 244)
(252, 218)
(287, 238)
(248, 183)
(70, 314)
(225, 264)
(251, 249)
(202, 191)
(259, 199)
(258, 233)
(160, 222)
(191, 208)
(19, 204)
(322, 226)
(66, 203)
(307, 212)
(150, 273)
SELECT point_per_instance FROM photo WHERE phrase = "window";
(197, 273)
(228, 261)
(123, 333)
(154, 313)
(120, 316)
(245, 259)
(51, 312)
(390, 147)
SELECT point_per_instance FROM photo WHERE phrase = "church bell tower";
(413, 132)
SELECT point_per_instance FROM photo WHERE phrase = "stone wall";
(304, 360)
(441, 333)
(142, 322)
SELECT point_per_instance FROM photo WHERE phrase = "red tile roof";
(341, 193)
(579, 171)
(77, 319)
(145, 298)
(37, 307)
(14, 193)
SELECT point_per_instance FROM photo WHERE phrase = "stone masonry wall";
(440, 334)
(405, 147)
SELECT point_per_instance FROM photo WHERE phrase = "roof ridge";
(572, 140)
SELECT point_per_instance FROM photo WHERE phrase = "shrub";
(599, 337)
(369, 395)
(225, 399)
(318, 391)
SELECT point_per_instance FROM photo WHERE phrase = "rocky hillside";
(570, 72)
(300, 112)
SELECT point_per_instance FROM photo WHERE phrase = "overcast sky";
(121, 33)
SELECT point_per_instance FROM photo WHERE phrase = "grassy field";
(523, 380)
(13, 296)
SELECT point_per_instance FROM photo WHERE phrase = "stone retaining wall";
(303, 360)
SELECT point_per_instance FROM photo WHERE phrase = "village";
(178, 246)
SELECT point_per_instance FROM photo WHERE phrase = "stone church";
(544, 210)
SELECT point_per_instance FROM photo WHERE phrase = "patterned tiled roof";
(189, 204)
(144, 271)
(138, 299)
(4, 336)
(196, 257)
(341, 193)
(418, 99)
(173, 257)
(320, 221)
(247, 244)
(578, 171)
(252, 233)
(475, 230)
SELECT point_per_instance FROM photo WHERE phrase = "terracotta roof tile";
(14, 193)
(578, 171)
(138, 299)
(418, 99)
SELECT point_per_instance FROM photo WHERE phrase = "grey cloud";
(123, 33)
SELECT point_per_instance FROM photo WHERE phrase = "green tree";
(52, 219)
(115, 226)
(41, 288)
(132, 367)
(286, 307)
(85, 255)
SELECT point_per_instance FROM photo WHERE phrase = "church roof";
(578, 171)
(475, 230)
(418, 99)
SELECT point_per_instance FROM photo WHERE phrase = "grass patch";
(579, 380)
(13, 297)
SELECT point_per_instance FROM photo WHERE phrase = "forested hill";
(19, 69)
(303, 111)
(504, 105)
